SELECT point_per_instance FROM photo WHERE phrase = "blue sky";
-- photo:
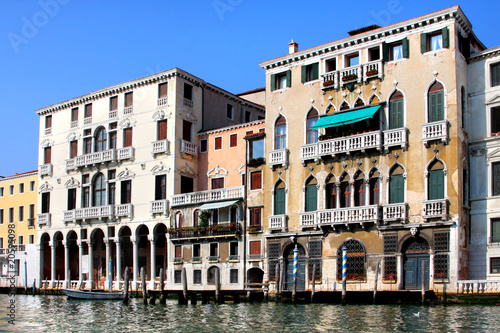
(54, 50)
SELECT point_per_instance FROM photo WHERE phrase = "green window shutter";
(385, 51)
(315, 71)
(279, 201)
(436, 106)
(406, 48)
(311, 198)
(396, 189)
(446, 37)
(440, 105)
(273, 82)
(423, 43)
(496, 178)
(303, 72)
(288, 78)
(396, 114)
(495, 230)
(436, 184)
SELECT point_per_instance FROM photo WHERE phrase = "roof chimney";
(293, 47)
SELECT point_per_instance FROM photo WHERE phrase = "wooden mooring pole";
(144, 290)
(163, 298)
(277, 282)
(313, 282)
(126, 276)
(375, 285)
(217, 286)
(423, 282)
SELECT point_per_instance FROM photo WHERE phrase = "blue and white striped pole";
(110, 278)
(295, 265)
(344, 273)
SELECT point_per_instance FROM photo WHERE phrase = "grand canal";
(58, 314)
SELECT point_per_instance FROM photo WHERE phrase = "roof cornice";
(437, 17)
(489, 53)
(232, 127)
(20, 175)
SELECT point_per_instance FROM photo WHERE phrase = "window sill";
(434, 52)
(280, 90)
(441, 281)
(395, 62)
(389, 281)
(312, 82)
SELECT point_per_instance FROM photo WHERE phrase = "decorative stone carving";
(217, 172)
(45, 187)
(126, 175)
(72, 183)
(160, 169)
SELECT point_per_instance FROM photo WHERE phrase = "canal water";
(58, 314)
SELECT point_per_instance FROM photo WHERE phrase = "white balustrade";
(163, 101)
(395, 138)
(188, 102)
(435, 209)
(125, 153)
(159, 206)
(309, 151)
(113, 114)
(48, 130)
(44, 219)
(87, 120)
(350, 74)
(128, 110)
(330, 79)
(89, 213)
(90, 159)
(278, 157)
(437, 130)
(207, 196)
(373, 69)
(394, 212)
(278, 222)
(124, 210)
(161, 146)
(188, 147)
(74, 124)
(478, 286)
(349, 215)
(307, 219)
(350, 143)
(45, 169)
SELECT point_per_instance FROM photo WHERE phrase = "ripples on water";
(58, 314)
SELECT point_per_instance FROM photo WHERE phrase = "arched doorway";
(59, 257)
(99, 267)
(255, 275)
(415, 252)
(46, 254)
(301, 267)
(74, 255)
(211, 275)
(126, 251)
(144, 250)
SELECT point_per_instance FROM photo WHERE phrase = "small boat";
(101, 295)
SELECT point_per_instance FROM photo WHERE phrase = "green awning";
(215, 205)
(348, 117)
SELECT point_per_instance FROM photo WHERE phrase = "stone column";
(367, 192)
(91, 264)
(108, 255)
(135, 252)
(39, 248)
(118, 260)
(53, 263)
(80, 267)
(153, 261)
(67, 278)
(353, 192)
(337, 189)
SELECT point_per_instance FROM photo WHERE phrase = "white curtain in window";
(437, 42)
(397, 52)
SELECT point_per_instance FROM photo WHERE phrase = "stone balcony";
(356, 74)
(187, 102)
(224, 229)
(188, 148)
(125, 210)
(397, 137)
(45, 169)
(208, 196)
(162, 101)
(435, 131)
(161, 146)
(44, 219)
(341, 216)
(128, 110)
(435, 209)
(90, 213)
(158, 206)
(395, 212)
(279, 158)
(106, 156)
(278, 223)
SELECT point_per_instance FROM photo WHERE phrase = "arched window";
(345, 191)
(312, 134)
(355, 260)
(359, 103)
(233, 213)
(101, 139)
(311, 195)
(435, 181)
(396, 110)
(374, 99)
(178, 220)
(396, 185)
(280, 133)
(331, 193)
(195, 217)
(436, 102)
(99, 190)
(375, 187)
(464, 108)
(279, 198)
(344, 106)
(359, 189)
(330, 108)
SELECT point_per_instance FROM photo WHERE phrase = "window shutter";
(440, 105)
(496, 179)
(163, 90)
(311, 198)
(423, 43)
(303, 74)
(254, 247)
(273, 82)
(396, 114)
(446, 37)
(315, 71)
(256, 180)
(396, 189)
(436, 184)
(288, 78)
(406, 48)
(129, 99)
(127, 137)
(162, 130)
(385, 51)
(113, 103)
(279, 201)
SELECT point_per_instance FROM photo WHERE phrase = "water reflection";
(58, 314)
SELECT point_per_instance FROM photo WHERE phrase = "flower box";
(328, 83)
(349, 77)
(372, 72)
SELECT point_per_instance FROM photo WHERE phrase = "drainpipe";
(245, 217)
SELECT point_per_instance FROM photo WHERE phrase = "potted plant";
(372, 72)
(349, 77)
(203, 218)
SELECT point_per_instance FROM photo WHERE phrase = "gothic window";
(99, 190)
(375, 187)
(355, 260)
(396, 110)
(436, 102)
(331, 193)
(280, 133)
(345, 191)
(359, 190)
(279, 198)
(311, 195)
(435, 181)
(396, 185)
(312, 134)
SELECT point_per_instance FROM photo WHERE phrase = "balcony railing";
(159, 206)
(372, 69)
(126, 153)
(188, 148)
(125, 210)
(44, 219)
(74, 124)
(359, 73)
(188, 102)
(48, 130)
(435, 209)
(221, 229)
(307, 219)
(87, 120)
(395, 212)
(113, 114)
(278, 222)
(91, 159)
(330, 80)
(207, 196)
(128, 110)
(350, 74)
(359, 214)
(45, 169)
(89, 213)
(161, 146)
(278, 157)
(437, 130)
(162, 101)
(395, 138)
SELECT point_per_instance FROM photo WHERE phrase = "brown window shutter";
(74, 149)
(218, 143)
(256, 180)
(254, 247)
(127, 137)
(113, 103)
(162, 130)
(129, 99)
(162, 90)
(88, 110)
(74, 114)
(48, 155)
(233, 140)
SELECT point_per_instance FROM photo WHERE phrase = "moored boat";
(99, 295)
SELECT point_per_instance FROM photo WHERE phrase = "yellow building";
(18, 197)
